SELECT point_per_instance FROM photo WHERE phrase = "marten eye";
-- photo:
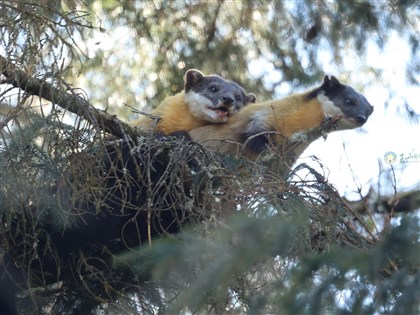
(237, 98)
(348, 101)
(214, 89)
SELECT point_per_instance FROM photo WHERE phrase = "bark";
(72, 102)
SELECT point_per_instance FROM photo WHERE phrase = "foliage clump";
(96, 218)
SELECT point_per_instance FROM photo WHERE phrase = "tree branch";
(71, 102)
(402, 202)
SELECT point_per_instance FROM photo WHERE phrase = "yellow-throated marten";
(260, 125)
(206, 99)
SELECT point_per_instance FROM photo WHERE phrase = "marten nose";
(361, 119)
(227, 100)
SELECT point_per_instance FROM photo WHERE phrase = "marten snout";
(227, 100)
(361, 119)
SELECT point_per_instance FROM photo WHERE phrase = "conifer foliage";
(97, 218)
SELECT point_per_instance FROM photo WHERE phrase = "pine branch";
(70, 101)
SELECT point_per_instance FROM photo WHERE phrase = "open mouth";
(220, 111)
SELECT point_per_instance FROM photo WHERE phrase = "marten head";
(338, 99)
(213, 98)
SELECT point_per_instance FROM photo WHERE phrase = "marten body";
(260, 125)
(206, 99)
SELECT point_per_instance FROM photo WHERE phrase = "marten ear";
(192, 78)
(251, 98)
(331, 84)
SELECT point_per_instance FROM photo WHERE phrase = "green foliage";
(32, 163)
(42, 36)
(291, 247)
(249, 266)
